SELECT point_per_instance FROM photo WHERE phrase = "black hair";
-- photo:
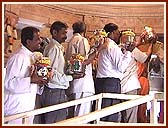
(110, 27)
(27, 33)
(79, 27)
(57, 25)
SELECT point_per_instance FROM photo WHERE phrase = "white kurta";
(130, 80)
(82, 87)
(19, 94)
(86, 83)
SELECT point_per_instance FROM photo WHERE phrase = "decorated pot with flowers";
(98, 36)
(43, 67)
(75, 65)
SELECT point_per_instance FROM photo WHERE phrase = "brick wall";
(49, 14)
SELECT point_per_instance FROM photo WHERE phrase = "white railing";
(133, 100)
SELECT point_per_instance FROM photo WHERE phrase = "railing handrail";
(52, 108)
(107, 111)
(76, 102)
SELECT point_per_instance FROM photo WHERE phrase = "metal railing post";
(98, 107)
(153, 111)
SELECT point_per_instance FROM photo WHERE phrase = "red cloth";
(144, 90)
(144, 82)
(142, 76)
(141, 114)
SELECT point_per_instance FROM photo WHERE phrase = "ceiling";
(110, 9)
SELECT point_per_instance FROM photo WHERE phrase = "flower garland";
(11, 33)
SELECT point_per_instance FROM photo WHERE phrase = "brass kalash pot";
(149, 34)
(75, 65)
(127, 38)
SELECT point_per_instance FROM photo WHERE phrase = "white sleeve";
(15, 80)
(81, 48)
(139, 55)
(120, 60)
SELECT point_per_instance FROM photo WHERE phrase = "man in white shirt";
(112, 63)
(82, 87)
(20, 84)
(130, 83)
(54, 92)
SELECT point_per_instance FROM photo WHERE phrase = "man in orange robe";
(144, 90)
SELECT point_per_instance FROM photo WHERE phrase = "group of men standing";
(116, 73)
